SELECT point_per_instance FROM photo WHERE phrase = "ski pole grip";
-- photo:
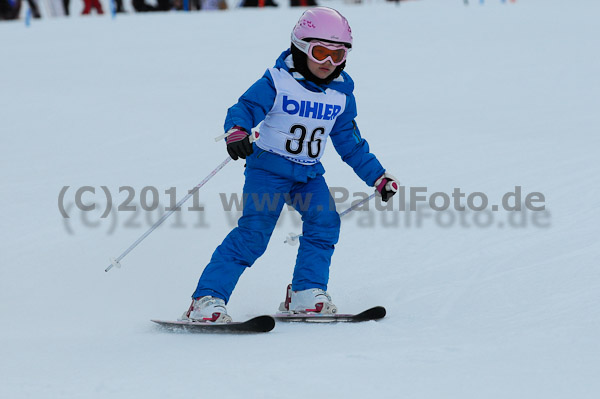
(253, 136)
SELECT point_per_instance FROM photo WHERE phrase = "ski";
(375, 313)
(260, 324)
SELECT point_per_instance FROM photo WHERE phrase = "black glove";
(238, 143)
(386, 186)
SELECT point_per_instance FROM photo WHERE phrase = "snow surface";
(484, 98)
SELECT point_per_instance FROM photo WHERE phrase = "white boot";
(312, 300)
(207, 309)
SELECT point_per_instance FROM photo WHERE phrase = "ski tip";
(263, 323)
(379, 312)
(374, 313)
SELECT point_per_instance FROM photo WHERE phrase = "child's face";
(321, 71)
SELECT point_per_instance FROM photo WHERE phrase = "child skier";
(302, 101)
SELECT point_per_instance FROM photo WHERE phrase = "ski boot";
(207, 309)
(312, 300)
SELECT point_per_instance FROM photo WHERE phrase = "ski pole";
(293, 239)
(115, 262)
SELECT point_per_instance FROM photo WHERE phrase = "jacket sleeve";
(253, 105)
(353, 149)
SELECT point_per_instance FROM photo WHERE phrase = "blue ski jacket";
(257, 101)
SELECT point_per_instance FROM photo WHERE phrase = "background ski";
(375, 313)
(259, 324)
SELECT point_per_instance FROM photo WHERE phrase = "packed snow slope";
(480, 305)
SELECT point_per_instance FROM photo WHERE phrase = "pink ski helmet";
(323, 23)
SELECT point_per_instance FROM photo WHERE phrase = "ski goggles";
(320, 52)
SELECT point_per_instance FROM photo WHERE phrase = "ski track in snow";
(483, 98)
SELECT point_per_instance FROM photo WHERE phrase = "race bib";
(299, 123)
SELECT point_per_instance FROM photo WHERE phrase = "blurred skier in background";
(118, 5)
(88, 5)
(258, 3)
(214, 5)
(303, 3)
(161, 5)
(10, 9)
(302, 101)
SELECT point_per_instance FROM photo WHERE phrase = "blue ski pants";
(264, 196)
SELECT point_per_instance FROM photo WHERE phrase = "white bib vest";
(298, 124)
